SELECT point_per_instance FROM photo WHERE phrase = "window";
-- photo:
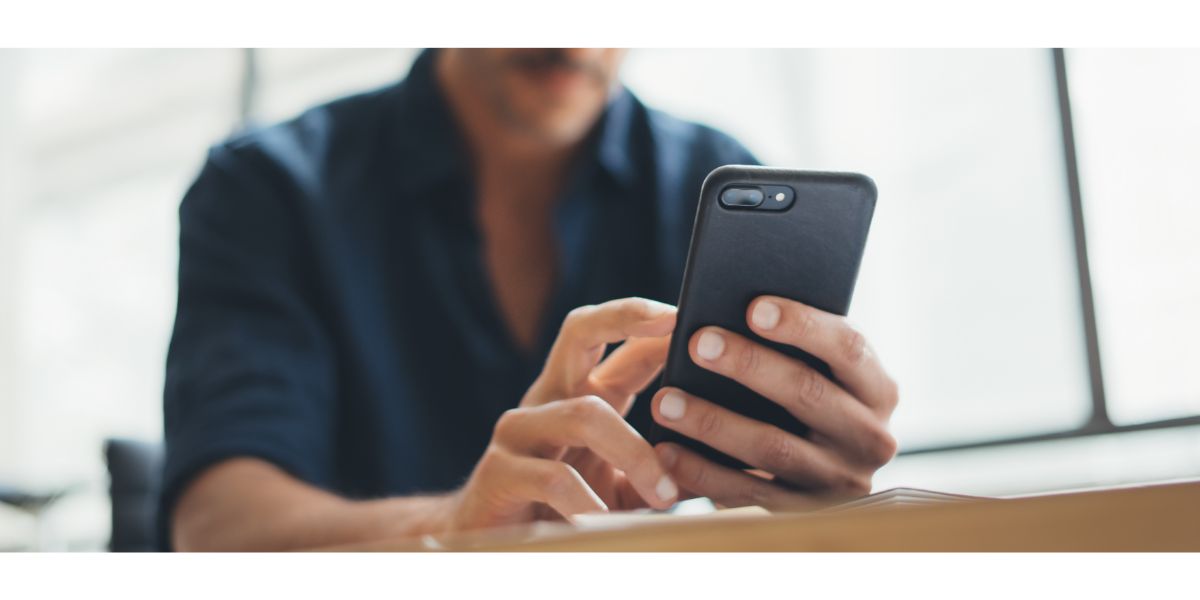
(103, 143)
(290, 81)
(1138, 131)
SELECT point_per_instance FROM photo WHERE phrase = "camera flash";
(779, 197)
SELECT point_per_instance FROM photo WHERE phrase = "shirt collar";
(431, 144)
(614, 147)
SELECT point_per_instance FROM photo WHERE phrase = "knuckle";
(599, 385)
(584, 411)
(506, 423)
(708, 425)
(777, 453)
(575, 316)
(805, 323)
(809, 390)
(635, 308)
(696, 475)
(757, 494)
(880, 445)
(891, 394)
(591, 407)
(854, 345)
(862, 485)
(855, 484)
(746, 361)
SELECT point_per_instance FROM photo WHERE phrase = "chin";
(561, 132)
(561, 122)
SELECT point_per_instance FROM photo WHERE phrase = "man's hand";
(567, 446)
(566, 450)
(849, 439)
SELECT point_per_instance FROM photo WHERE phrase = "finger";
(627, 496)
(588, 329)
(588, 422)
(755, 443)
(830, 338)
(729, 487)
(520, 479)
(628, 370)
(800, 389)
(630, 499)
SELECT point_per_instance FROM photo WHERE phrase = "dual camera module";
(757, 197)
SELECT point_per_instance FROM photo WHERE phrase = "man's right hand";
(567, 449)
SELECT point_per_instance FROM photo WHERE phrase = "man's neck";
(503, 157)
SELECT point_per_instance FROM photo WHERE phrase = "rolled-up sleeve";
(250, 370)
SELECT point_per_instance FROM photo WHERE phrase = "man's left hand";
(849, 439)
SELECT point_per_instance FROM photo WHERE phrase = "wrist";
(414, 516)
(440, 516)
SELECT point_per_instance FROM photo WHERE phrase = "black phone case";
(809, 252)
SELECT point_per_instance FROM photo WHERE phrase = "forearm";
(249, 505)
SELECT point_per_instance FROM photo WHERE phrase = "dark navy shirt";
(334, 315)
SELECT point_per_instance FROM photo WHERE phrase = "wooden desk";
(1152, 518)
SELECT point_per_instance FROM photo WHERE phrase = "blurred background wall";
(970, 290)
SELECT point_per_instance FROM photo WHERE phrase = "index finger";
(830, 338)
(629, 370)
(587, 330)
(588, 422)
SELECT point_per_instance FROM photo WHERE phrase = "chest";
(520, 255)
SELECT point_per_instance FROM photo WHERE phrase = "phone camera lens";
(741, 197)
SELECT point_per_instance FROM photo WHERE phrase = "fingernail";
(765, 315)
(666, 489)
(667, 456)
(672, 406)
(711, 345)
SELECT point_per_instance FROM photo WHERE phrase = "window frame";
(1099, 422)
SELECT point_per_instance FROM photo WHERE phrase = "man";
(378, 334)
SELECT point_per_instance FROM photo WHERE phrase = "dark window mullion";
(1099, 420)
(248, 91)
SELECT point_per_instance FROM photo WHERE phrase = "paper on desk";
(633, 518)
(899, 497)
(892, 498)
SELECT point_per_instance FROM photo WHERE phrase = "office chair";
(135, 472)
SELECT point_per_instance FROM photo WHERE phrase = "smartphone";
(762, 230)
